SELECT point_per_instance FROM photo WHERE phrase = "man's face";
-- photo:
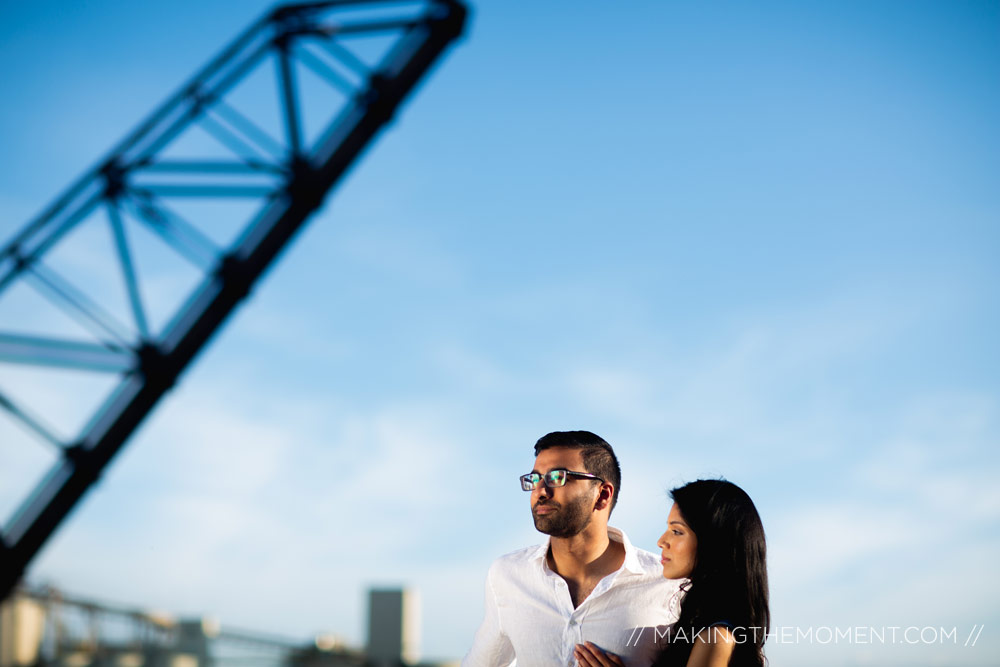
(565, 510)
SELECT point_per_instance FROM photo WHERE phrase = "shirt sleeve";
(491, 646)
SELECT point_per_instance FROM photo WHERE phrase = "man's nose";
(543, 491)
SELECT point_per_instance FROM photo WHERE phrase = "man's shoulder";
(517, 561)
(648, 561)
(637, 560)
(652, 570)
(520, 556)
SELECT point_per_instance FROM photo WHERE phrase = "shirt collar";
(631, 554)
(631, 563)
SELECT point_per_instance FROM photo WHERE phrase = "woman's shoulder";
(713, 646)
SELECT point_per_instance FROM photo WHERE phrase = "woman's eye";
(677, 532)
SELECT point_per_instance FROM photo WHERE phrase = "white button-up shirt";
(530, 615)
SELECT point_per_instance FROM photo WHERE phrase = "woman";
(714, 539)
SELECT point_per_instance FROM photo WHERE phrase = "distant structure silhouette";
(45, 627)
(393, 627)
(360, 58)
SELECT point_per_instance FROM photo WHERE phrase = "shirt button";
(573, 622)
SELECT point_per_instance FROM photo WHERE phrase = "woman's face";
(679, 545)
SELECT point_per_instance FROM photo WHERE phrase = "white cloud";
(217, 499)
(811, 544)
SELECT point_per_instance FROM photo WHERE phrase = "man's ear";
(604, 496)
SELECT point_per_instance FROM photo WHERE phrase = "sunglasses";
(553, 478)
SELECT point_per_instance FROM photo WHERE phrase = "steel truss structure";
(207, 141)
(75, 630)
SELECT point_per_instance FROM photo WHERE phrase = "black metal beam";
(301, 176)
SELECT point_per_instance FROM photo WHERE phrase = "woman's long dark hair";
(729, 581)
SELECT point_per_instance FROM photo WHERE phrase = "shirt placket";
(574, 624)
(574, 632)
(573, 618)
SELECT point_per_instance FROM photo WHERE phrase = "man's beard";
(566, 520)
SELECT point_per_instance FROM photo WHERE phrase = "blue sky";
(758, 242)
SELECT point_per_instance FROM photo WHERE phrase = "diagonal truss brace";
(289, 179)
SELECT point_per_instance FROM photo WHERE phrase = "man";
(587, 583)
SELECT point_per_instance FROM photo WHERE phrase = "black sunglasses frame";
(528, 484)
